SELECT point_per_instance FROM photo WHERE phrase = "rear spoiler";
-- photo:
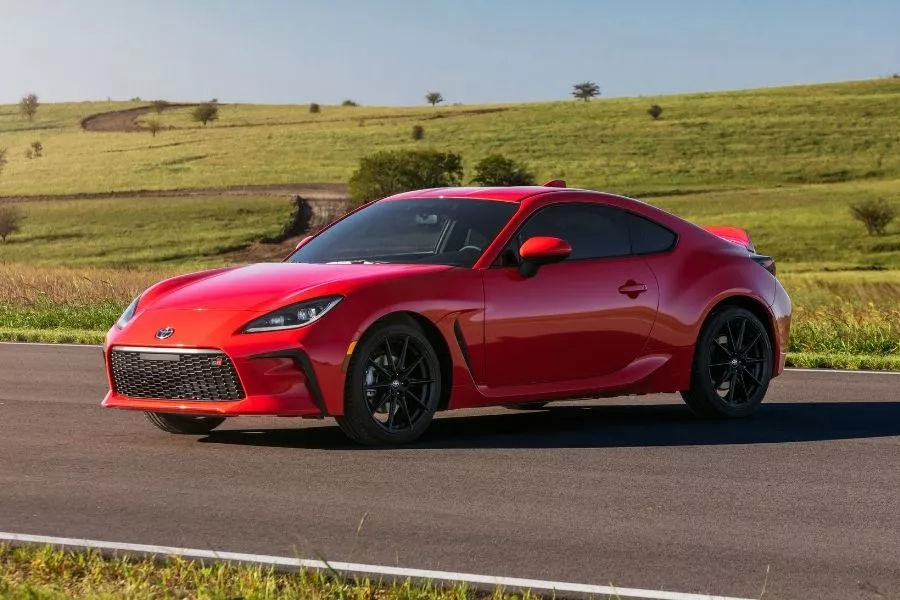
(739, 236)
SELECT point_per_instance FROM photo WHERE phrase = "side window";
(648, 237)
(593, 231)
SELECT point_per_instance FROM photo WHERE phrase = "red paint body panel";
(576, 329)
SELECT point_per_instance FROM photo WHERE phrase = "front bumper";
(277, 373)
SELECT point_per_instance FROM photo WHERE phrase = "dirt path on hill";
(122, 120)
(313, 191)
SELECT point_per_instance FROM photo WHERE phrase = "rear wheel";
(393, 386)
(184, 424)
(732, 365)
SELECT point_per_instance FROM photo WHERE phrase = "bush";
(2, 158)
(28, 106)
(876, 215)
(391, 172)
(349, 103)
(655, 111)
(205, 112)
(315, 108)
(418, 132)
(153, 126)
(497, 170)
(10, 220)
(159, 105)
(35, 150)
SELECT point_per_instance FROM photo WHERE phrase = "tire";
(732, 365)
(184, 424)
(526, 405)
(393, 386)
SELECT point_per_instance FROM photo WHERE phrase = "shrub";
(876, 215)
(10, 220)
(497, 170)
(28, 106)
(349, 103)
(655, 111)
(391, 172)
(154, 127)
(314, 108)
(35, 150)
(205, 112)
(434, 98)
(418, 132)
(159, 105)
(585, 90)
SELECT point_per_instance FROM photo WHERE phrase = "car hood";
(267, 286)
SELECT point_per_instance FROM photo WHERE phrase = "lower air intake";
(175, 375)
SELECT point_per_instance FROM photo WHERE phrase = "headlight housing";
(293, 316)
(129, 313)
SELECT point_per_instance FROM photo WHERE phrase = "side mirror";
(539, 251)
(301, 242)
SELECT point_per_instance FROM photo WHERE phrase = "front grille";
(175, 375)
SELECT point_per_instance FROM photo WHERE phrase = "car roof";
(507, 194)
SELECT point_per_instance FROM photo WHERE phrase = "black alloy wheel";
(732, 365)
(393, 386)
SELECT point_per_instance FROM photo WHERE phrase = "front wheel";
(393, 386)
(184, 424)
(732, 365)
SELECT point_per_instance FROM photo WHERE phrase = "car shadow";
(611, 427)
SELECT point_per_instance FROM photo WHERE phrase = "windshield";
(420, 230)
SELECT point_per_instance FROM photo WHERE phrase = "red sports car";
(459, 298)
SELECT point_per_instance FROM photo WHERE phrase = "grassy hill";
(703, 142)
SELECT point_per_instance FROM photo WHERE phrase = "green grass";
(756, 138)
(141, 232)
(43, 573)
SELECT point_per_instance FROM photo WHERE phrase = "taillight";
(766, 262)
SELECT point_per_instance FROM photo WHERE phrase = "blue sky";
(393, 51)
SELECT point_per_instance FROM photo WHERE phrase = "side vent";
(457, 332)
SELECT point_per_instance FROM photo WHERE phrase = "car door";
(585, 317)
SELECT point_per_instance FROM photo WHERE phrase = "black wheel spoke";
(413, 382)
(753, 343)
(412, 368)
(380, 403)
(725, 375)
(731, 385)
(381, 369)
(378, 386)
(754, 361)
(402, 360)
(415, 398)
(390, 355)
(730, 336)
(722, 364)
(391, 411)
(723, 348)
(739, 346)
(753, 377)
(402, 402)
(744, 386)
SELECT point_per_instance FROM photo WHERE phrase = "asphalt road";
(631, 492)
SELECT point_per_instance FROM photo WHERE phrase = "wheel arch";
(756, 306)
(435, 338)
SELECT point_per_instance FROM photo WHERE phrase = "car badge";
(165, 333)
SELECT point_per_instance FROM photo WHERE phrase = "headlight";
(293, 316)
(128, 314)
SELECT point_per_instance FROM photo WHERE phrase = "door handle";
(632, 288)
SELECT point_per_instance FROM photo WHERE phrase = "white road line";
(354, 568)
(843, 371)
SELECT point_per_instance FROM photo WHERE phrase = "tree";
(315, 108)
(418, 132)
(10, 220)
(159, 105)
(153, 126)
(876, 215)
(391, 172)
(28, 106)
(585, 90)
(35, 150)
(349, 103)
(655, 111)
(205, 112)
(433, 98)
(497, 170)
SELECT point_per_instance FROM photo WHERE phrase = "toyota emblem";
(165, 333)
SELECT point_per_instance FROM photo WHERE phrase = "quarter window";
(648, 237)
(592, 230)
